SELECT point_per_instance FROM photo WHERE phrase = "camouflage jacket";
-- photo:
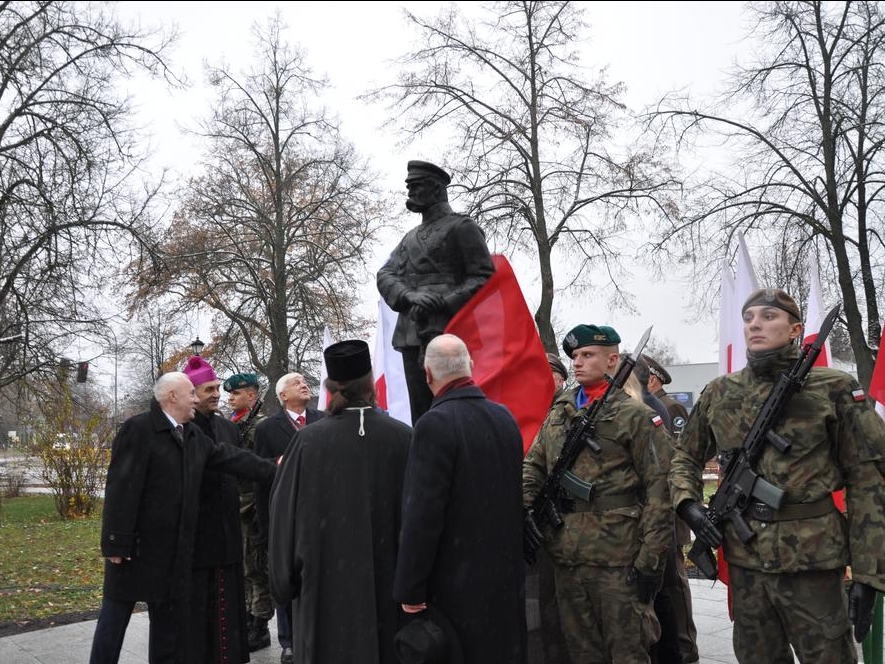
(247, 441)
(634, 460)
(837, 441)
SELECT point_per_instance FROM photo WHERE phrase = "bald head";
(176, 395)
(446, 359)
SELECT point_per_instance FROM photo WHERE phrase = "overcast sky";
(651, 46)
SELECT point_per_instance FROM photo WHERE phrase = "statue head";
(426, 184)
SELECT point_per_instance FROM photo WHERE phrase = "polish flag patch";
(859, 394)
(657, 420)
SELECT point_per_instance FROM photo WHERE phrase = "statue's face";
(422, 194)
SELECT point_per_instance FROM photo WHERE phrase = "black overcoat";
(461, 540)
(150, 505)
(272, 436)
(219, 538)
(334, 519)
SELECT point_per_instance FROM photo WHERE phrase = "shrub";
(73, 442)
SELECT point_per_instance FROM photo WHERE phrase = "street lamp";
(197, 346)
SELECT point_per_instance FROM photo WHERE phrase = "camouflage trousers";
(805, 610)
(259, 602)
(602, 618)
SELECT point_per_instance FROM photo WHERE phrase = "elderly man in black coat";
(460, 545)
(272, 436)
(150, 513)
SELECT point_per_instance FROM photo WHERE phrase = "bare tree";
(805, 124)
(272, 236)
(534, 140)
(68, 199)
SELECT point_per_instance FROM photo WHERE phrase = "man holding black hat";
(334, 520)
(609, 557)
(460, 546)
(787, 581)
(431, 274)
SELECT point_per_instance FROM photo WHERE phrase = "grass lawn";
(50, 570)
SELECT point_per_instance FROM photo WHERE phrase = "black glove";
(531, 536)
(861, 600)
(647, 585)
(695, 515)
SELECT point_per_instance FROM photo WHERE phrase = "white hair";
(167, 382)
(447, 357)
(283, 382)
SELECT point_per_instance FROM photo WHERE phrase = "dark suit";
(272, 437)
(461, 539)
(150, 513)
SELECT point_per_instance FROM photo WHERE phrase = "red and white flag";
(391, 391)
(322, 392)
(877, 382)
(509, 361)
(814, 315)
(732, 346)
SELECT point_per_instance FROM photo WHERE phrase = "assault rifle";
(545, 507)
(248, 423)
(740, 482)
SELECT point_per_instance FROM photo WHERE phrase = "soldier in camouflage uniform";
(609, 556)
(787, 582)
(243, 399)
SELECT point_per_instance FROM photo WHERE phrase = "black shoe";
(259, 635)
(286, 657)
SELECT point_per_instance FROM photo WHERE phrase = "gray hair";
(447, 357)
(167, 382)
(284, 380)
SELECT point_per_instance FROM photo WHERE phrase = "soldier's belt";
(790, 511)
(598, 504)
(430, 279)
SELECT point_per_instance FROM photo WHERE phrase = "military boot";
(259, 635)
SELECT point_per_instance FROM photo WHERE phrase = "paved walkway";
(69, 644)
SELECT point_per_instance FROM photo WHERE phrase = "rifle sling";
(791, 511)
(599, 503)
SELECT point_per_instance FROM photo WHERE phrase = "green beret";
(589, 335)
(773, 297)
(240, 380)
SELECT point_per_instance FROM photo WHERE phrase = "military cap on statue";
(418, 170)
(347, 360)
(589, 335)
(557, 365)
(773, 297)
(656, 369)
(239, 381)
(199, 370)
(428, 639)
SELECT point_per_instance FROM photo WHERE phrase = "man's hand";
(531, 536)
(116, 560)
(414, 608)
(695, 515)
(861, 600)
(647, 585)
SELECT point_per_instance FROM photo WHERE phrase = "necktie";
(299, 421)
(178, 432)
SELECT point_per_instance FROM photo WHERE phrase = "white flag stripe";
(388, 363)
(322, 395)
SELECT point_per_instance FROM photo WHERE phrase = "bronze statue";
(434, 270)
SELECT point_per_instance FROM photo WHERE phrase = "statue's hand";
(424, 302)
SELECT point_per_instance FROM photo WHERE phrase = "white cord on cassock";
(362, 431)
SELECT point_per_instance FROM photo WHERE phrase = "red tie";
(299, 421)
